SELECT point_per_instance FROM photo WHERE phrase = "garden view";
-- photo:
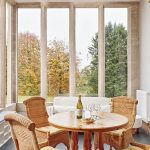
(58, 65)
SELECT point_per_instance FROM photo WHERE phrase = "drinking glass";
(87, 113)
(97, 109)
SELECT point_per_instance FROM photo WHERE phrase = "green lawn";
(22, 98)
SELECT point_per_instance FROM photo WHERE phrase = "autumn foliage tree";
(58, 65)
(29, 66)
(58, 68)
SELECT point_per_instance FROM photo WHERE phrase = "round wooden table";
(68, 121)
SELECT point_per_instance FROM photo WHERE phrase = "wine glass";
(89, 107)
(97, 109)
(86, 112)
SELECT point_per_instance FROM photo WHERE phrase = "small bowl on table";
(87, 120)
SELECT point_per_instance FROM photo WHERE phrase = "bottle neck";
(79, 100)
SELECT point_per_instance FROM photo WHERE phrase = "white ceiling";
(23, 1)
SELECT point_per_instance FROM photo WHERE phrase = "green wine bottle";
(79, 108)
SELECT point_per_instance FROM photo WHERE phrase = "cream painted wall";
(145, 45)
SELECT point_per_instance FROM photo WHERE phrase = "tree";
(28, 64)
(93, 51)
(88, 79)
(58, 65)
(83, 82)
(58, 68)
(115, 62)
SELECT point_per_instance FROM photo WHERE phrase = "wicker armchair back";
(125, 106)
(36, 111)
(120, 139)
(23, 132)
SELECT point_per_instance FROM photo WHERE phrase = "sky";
(58, 25)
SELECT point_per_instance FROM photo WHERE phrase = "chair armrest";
(50, 110)
(124, 138)
(127, 137)
(143, 146)
(127, 132)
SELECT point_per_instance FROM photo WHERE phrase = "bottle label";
(79, 112)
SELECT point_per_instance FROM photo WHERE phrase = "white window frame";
(133, 45)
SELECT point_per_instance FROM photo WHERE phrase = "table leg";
(74, 140)
(96, 140)
(87, 141)
(101, 146)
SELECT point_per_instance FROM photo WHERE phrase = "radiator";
(143, 107)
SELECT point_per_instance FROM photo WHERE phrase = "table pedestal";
(87, 140)
(101, 146)
(98, 141)
(74, 140)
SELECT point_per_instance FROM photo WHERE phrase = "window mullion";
(43, 52)
(133, 50)
(72, 52)
(2, 53)
(11, 55)
(101, 52)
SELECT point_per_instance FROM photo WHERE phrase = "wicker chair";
(138, 146)
(36, 111)
(23, 133)
(125, 106)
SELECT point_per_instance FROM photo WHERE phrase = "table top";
(69, 122)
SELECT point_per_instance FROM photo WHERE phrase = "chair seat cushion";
(42, 141)
(116, 132)
(50, 129)
(48, 148)
(133, 148)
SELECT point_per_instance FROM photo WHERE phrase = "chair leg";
(56, 139)
(68, 147)
(110, 147)
(67, 142)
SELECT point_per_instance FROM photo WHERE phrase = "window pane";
(58, 52)
(28, 53)
(115, 52)
(87, 51)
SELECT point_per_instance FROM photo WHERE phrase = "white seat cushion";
(138, 122)
(62, 104)
(58, 109)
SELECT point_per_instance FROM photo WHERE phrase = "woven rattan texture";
(36, 111)
(137, 146)
(120, 139)
(23, 132)
(125, 106)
